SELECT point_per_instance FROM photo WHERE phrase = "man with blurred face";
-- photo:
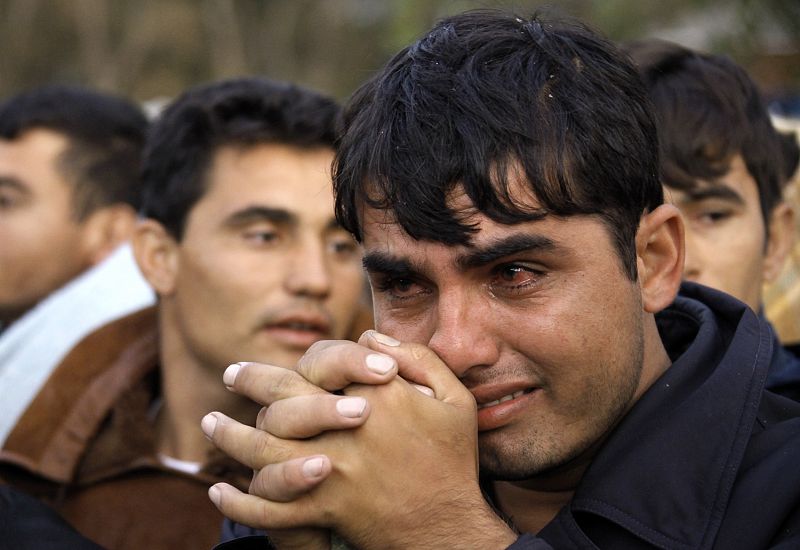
(69, 191)
(44, 243)
(723, 166)
(240, 244)
(553, 391)
(60, 215)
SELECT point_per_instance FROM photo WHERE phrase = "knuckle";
(262, 450)
(316, 347)
(283, 382)
(314, 352)
(419, 352)
(316, 365)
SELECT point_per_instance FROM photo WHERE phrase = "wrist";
(459, 527)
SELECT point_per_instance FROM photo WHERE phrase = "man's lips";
(507, 397)
(300, 325)
(299, 329)
(497, 406)
(487, 395)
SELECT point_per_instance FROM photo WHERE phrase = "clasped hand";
(384, 462)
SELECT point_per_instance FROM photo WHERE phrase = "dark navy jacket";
(706, 459)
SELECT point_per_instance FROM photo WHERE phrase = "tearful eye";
(399, 289)
(515, 273)
(510, 273)
(515, 278)
(403, 285)
(396, 285)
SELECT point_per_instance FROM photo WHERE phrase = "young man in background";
(69, 192)
(725, 166)
(241, 246)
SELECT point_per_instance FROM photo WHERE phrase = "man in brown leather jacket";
(240, 243)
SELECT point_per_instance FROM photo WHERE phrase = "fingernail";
(351, 407)
(385, 340)
(229, 377)
(209, 424)
(214, 494)
(424, 389)
(312, 468)
(380, 364)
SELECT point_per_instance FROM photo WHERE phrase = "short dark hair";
(708, 111)
(239, 112)
(106, 135)
(487, 92)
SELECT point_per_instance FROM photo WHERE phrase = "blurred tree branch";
(157, 48)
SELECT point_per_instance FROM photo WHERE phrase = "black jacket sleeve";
(28, 524)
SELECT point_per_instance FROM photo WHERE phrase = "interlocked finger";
(309, 415)
(335, 364)
(266, 384)
(286, 481)
(252, 447)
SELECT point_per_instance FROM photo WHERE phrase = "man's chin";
(519, 462)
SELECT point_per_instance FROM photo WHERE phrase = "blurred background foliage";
(149, 49)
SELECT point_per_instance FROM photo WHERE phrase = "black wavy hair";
(238, 112)
(708, 111)
(483, 94)
(105, 136)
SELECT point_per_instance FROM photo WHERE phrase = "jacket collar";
(53, 434)
(92, 420)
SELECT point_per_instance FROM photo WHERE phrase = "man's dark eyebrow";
(714, 192)
(260, 213)
(487, 254)
(378, 262)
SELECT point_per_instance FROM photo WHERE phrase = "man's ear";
(659, 256)
(780, 233)
(105, 229)
(156, 252)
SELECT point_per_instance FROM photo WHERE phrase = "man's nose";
(309, 272)
(462, 337)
